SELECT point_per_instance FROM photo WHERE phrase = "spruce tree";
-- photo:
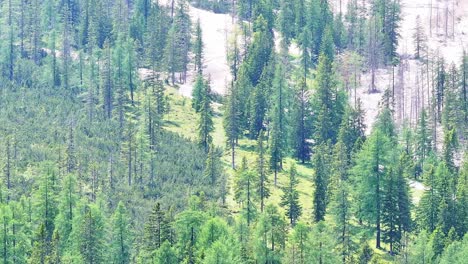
(231, 122)
(301, 123)
(290, 197)
(205, 122)
(197, 92)
(278, 129)
(321, 165)
(213, 170)
(372, 163)
(244, 193)
(198, 48)
(121, 235)
(262, 187)
(327, 101)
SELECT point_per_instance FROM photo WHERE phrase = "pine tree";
(286, 20)
(301, 123)
(156, 230)
(390, 233)
(440, 83)
(299, 245)
(327, 102)
(45, 202)
(213, 170)
(428, 206)
(419, 39)
(178, 43)
(320, 199)
(365, 252)
(198, 48)
(270, 236)
(423, 141)
(462, 200)
(322, 245)
(166, 254)
(341, 204)
(39, 249)
(262, 187)
(198, 92)
(290, 198)
(244, 191)
(231, 122)
(260, 50)
(66, 211)
(371, 166)
(89, 235)
(121, 236)
(205, 123)
(278, 129)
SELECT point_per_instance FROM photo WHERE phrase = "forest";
(233, 131)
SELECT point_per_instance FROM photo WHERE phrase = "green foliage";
(290, 198)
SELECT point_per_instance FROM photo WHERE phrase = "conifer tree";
(428, 206)
(423, 141)
(121, 236)
(156, 230)
(278, 129)
(244, 190)
(231, 121)
(286, 20)
(327, 102)
(322, 245)
(46, 202)
(213, 170)
(198, 48)
(39, 249)
(270, 236)
(262, 187)
(66, 212)
(371, 167)
(419, 39)
(301, 123)
(321, 165)
(205, 123)
(290, 197)
(89, 235)
(299, 245)
(166, 254)
(197, 92)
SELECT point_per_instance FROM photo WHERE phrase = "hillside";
(216, 131)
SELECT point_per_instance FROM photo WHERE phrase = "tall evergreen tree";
(372, 163)
(262, 187)
(205, 123)
(320, 199)
(290, 197)
(121, 236)
(278, 129)
(301, 123)
(231, 121)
